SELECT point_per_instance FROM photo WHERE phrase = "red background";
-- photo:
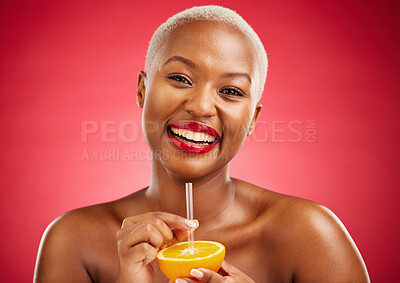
(65, 62)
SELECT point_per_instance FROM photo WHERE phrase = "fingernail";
(180, 281)
(196, 273)
(190, 223)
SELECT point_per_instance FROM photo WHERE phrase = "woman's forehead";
(211, 43)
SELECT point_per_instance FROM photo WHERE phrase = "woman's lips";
(192, 137)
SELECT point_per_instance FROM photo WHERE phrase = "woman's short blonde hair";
(211, 13)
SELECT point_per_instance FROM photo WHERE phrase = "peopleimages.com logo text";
(129, 131)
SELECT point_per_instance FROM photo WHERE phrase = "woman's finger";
(144, 233)
(141, 254)
(172, 220)
(206, 275)
(186, 280)
(180, 234)
(234, 272)
(169, 234)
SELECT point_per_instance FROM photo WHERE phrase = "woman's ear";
(257, 113)
(141, 89)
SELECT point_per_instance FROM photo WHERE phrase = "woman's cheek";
(164, 100)
(237, 124)
(235, 133)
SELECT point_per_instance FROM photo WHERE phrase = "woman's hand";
(227, 273)
(139, 239)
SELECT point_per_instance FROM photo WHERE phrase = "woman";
(204, 75)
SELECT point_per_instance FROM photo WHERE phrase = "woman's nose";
(201, 103)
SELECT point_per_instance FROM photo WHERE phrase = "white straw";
(189, 211)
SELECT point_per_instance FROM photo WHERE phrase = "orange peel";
(178, 260)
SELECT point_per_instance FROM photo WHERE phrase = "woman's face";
(199, 99)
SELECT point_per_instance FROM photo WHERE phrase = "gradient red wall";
(328, 131)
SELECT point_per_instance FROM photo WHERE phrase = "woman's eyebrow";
(181, 59)
(238, 74)
(192, 65)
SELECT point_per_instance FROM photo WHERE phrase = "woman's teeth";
(193, 136)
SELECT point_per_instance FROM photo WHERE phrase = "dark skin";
(269, 237)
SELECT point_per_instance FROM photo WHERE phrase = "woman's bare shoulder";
(270, 202)
(285, 208)
(78, 229)
(73, 239)
(94, 217)
(316, 243)
(85, 218)
(294, 218)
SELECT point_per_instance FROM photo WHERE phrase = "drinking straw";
(189, 212)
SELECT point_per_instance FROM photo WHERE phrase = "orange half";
(177, 260)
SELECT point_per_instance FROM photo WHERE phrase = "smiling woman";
(204, 75)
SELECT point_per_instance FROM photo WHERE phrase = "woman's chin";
(190, 171)
(186, 165)
(192, 168)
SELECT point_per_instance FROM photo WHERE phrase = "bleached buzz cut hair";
(216, 14)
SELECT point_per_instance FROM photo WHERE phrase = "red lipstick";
(188, 141)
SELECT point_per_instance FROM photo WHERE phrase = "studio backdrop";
(71, 130)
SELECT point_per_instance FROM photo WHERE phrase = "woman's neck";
(212, 194)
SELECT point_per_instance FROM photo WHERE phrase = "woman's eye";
(180, 79)
(232, 91)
